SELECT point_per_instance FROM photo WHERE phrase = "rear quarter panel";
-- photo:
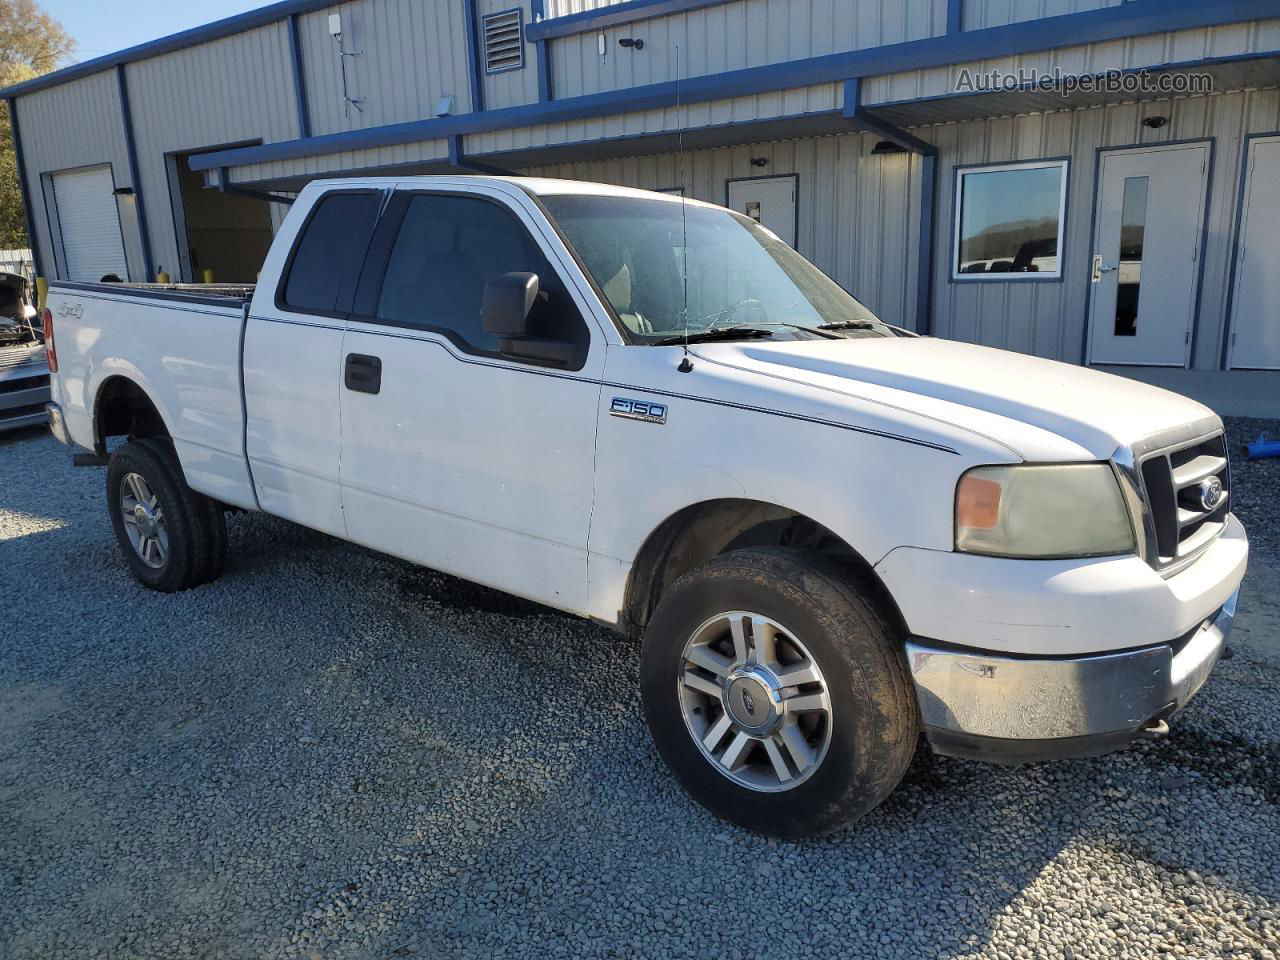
(184, 356)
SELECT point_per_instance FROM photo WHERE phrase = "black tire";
(873, 721)
(215, 524)
(195, 530)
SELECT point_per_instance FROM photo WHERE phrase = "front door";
(456, 455)
(1146, 251)
(770, 201)
(293, 359)
(1255, 317)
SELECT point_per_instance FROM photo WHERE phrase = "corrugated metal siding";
(563, 8)
(1180, 46)
(994, 13)
(76, 124)
(233, 90)
(510, 87)
(348, 161)
(1048, 318)
(976, 13)
(410, 55)
(815, 99)
(858, 213)
(734, 36)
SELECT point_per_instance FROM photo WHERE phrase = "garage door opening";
(221, 232)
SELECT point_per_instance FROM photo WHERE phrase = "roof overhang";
(700, 138)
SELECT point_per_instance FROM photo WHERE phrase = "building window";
(1009, 221)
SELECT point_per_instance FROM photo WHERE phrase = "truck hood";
(996, 393)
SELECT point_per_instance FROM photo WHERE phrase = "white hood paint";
(1012, 398)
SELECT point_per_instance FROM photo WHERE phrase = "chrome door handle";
(1099, 268)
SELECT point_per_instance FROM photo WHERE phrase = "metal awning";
(699, 138)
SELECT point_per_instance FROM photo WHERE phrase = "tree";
(31, 43)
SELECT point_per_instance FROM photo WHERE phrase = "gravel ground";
(332, 754)
(1256, 487)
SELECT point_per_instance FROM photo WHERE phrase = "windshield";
(741, 277)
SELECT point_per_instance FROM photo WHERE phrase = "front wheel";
(776, 692)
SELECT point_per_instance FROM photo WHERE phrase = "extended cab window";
(447, 248)
(329, 251)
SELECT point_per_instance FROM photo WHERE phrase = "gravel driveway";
(332, 754)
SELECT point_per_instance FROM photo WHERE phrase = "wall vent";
(504, 41)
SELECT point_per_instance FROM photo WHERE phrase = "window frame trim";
(373, 276)
(357, 266)
(1063, 164)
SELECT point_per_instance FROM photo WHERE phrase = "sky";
(100, 27)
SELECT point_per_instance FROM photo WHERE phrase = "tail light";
(50, 351)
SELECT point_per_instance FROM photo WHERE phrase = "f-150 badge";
(638, 410)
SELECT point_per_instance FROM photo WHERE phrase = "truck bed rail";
(216, 294)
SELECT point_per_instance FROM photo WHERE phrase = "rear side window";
(447, 249)
(329, 252)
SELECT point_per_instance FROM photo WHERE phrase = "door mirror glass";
(508, 299)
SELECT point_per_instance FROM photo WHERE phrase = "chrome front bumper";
(1020, 709)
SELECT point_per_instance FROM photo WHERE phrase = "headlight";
(1042, 511)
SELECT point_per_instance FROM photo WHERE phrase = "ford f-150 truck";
(832, 535)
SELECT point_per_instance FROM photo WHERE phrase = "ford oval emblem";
(749, 704)
(1211, 493)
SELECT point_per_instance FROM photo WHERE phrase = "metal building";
(1094, 181)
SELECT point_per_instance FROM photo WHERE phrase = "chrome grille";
(1186, 489)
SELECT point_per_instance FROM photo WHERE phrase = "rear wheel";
(776, 691)
(172, 537)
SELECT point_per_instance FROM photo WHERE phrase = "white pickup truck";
(833, 535)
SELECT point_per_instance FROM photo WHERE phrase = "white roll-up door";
(89, 223)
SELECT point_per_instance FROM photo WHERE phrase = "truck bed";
(180, 343)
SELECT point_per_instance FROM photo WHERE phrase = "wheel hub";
(144, 523)
(754, 702)
(145, 520)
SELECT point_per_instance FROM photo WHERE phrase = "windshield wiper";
(716, 333)
(847, 325)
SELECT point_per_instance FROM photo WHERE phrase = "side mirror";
(508, 299)
(507, 302)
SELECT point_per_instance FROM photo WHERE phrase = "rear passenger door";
(454, 455)
(293, 359)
